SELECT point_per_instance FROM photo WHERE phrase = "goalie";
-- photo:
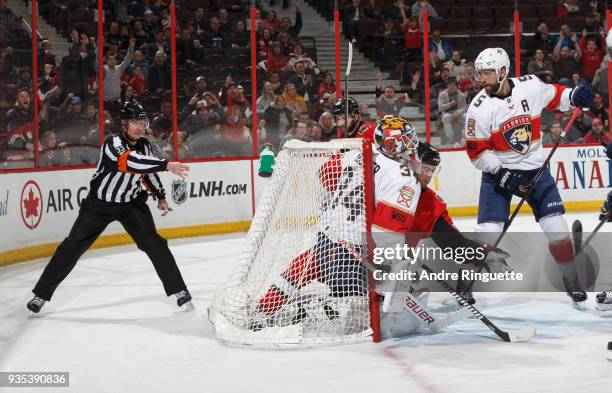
(329, 261)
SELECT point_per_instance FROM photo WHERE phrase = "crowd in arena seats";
(561, 42)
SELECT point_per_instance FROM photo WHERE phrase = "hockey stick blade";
(523, 334)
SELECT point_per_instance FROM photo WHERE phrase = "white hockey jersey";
(395, 190)
(505, 131)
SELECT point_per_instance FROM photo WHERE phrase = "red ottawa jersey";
(365, 130)
(430, 208)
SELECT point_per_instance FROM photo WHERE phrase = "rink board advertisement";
(582, 173)
(39, 208)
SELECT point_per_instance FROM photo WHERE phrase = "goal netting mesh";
(301, 279)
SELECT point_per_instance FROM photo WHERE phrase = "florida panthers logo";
(517, 133)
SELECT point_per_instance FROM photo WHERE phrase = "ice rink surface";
(113, 329)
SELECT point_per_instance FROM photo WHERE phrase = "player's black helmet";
(340, 107)
(428, 154)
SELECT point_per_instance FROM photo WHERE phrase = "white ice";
(113, 329)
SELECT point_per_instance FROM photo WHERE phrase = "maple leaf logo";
(31, 205)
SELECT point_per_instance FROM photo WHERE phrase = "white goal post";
(296, 284)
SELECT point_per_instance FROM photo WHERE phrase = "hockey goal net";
(298, 283)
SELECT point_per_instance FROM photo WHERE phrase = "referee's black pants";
(94, 217)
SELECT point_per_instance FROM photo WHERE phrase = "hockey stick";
(536, 179)
(523, 334)
(420, 312)
(347, 74)
(531, 188)
(577, 235)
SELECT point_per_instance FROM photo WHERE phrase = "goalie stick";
(524, 334)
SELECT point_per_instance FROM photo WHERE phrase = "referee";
(116, 194)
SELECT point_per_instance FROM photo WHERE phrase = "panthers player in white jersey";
(503, 140)
(331, 260)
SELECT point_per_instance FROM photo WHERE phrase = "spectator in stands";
(25, 79)
(327, 85)
(236, 136)
(600, 80)
(278, 119)
(591, 56)
(542, 40)
(420, 6)
(299, 132)
(277, 85)
(353, 14)
(202, 118)
(45, 55)
(159, 45)
(159, 75)
(264, 44)
(7, 16)
(20, 127)
(20, 40)
(224, 20)
(162, 126)
(389, 43)
(294, 101)
(113, 33)
(456, 65)
(240, 35)
(442, 48)
(271, 22)
(567, 8)
(201, 25)
(215, 37)
(466, 82)
(138, 83)
(599, 109)
(298, 55)
(139, 33)
(149, 24)
(539, 65)
(552, 134)
(234, 5)
(302, 81)
(413, 41)
(565, 64)
(597, 133)
(49, 156)
(388, 103)
(276, 60)
(265, 99)
(452, 105)
(395, 11)
(316, 133)
(113, 73)
(90, 117)
(595, 8)
(70, 110)
(64, 154)
(201, 86)
(435, 67)
(292, 30)
(578, 129)
(328, 128)
(285, 42)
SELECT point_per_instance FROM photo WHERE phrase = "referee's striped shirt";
(123, 170)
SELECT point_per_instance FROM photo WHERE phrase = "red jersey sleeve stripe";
(476, 148)
(554, 103)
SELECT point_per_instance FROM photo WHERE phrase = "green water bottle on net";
(266, 160)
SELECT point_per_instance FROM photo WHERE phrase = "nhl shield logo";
(517, 133)
(179, 191)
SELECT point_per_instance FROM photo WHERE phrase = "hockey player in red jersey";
(503, 140)
(357, 128)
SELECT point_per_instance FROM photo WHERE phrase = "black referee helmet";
(132, 111)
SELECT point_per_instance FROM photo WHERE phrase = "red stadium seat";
(547, 10)
(528, 11)
(504, 11)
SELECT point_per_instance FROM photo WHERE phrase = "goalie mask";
(395, 137)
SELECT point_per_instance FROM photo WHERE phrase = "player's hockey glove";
(494, 260)
(581, 96)
(605, 209)
(513, 182)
